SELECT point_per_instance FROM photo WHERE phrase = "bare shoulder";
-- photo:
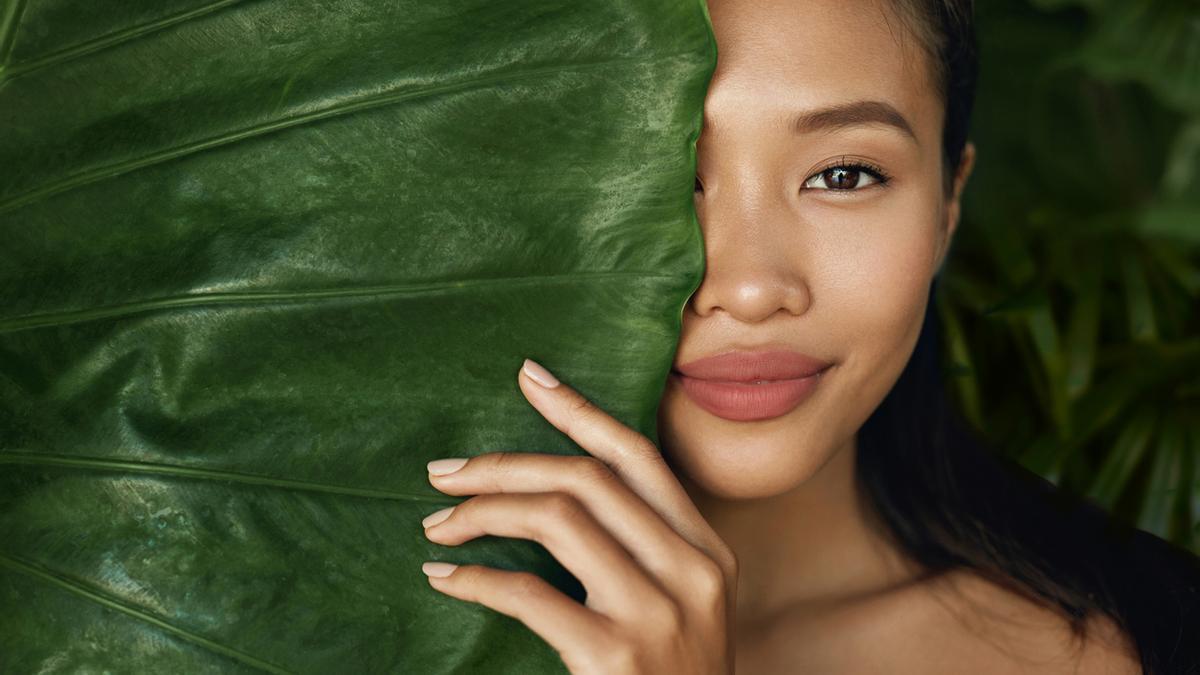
(1006, 632)
(946, 625)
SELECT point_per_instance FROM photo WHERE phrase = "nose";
(757, 260)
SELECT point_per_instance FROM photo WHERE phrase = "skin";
(740, 545)
(842, 275)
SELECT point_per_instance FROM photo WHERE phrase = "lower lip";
(743, 402)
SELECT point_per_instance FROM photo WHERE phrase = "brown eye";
(841, 179)
(699, 187)
(846, 178)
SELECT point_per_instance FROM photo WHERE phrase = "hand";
(661, 585)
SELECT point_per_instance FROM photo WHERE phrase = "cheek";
(874, 279)
(874, 270)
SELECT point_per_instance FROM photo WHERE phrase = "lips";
(743, 366)
(747, 386)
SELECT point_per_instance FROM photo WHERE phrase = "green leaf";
(1083, 334)
(1054, 5)
(1045, 457)
(1011, 253)
(1152, 42)
(1181, 172)
(1019, 304)
(960, 353)
(1139, 304)
(264, 260)
(1165, 488)
(1178, 222)
(1124, 456)
(1087, 135)
(1175, 265)
(1103, 406)
(1044, 334)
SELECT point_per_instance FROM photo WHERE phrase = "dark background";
(1071, 300)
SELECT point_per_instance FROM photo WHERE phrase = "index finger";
(630, 455)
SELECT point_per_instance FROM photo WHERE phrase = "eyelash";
(875, 171)
(881, 177)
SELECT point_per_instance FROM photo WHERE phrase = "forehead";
(779, 57)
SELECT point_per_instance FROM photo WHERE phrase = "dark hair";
(945, 29)
(949, 501)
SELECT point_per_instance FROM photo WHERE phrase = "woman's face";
(792, 263)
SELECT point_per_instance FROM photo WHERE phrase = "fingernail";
(436, 517)
(441, 467)
(539, 374)
(438, 569)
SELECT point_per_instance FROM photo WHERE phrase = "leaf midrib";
(65, 317)
(197, 473)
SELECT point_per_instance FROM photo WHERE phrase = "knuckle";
(659, 620)
(526, 585)
(471, 578)
(591, 471)
(641, 453)
(666, 616)
(583, 409)
(644, 448)
(502, 463)
(710, 579)
(563, 506)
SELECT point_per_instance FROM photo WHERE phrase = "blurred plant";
(1071, 303)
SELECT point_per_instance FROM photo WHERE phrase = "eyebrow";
(853, 114)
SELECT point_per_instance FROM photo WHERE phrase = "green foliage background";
(1070, 301)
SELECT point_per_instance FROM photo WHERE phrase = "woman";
(836, 518)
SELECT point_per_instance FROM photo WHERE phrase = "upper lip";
(751, 366)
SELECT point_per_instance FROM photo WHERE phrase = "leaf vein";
(65, 317)
(346, 107)
(8, 34)
(111, 40)
(198, 473)
(78, 588)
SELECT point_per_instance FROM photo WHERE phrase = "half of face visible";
(819, 193)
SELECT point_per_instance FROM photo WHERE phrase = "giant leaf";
(261, 260)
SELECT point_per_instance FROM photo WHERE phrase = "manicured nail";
(441, 467)
(539, 374)
(436, 517)
(438, 569)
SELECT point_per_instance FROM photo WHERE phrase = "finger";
(616, 585)
(641, 530)
(630, 455)
(577, 633)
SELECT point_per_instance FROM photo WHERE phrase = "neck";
(807, 546)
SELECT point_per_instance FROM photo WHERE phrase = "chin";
(742, 460)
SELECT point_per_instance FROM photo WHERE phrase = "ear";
(954, 204)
